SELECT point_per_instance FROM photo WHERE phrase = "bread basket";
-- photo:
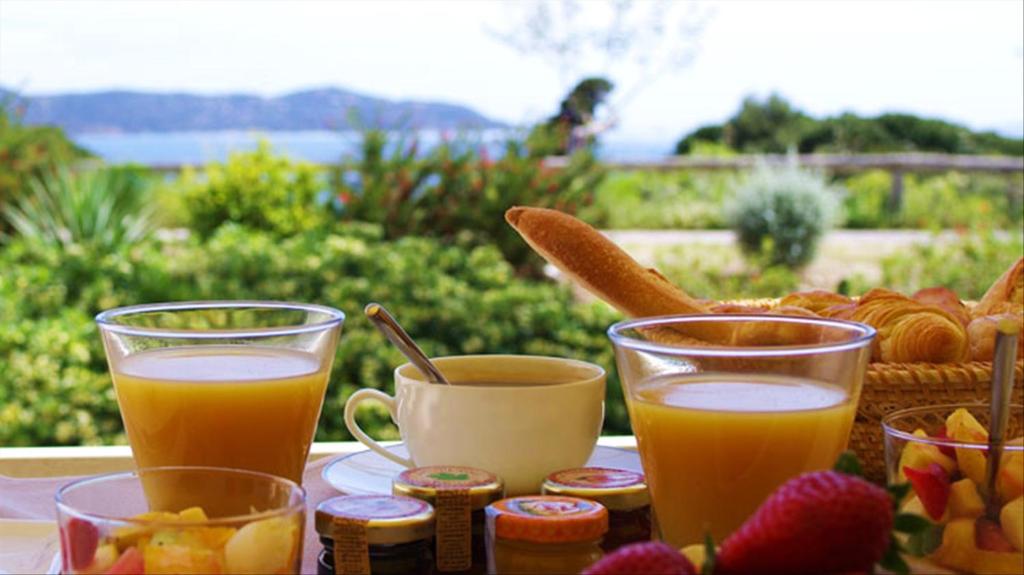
(889, 387)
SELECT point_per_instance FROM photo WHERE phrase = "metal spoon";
(1007, 332)
(392, 330)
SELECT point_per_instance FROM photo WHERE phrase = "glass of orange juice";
(236, 384)
(726, 408)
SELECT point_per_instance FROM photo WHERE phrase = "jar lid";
(424, 482)
(616, 489)
(387, 519)
(548, 519)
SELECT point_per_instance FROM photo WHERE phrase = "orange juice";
(247, 407)
(714, 446)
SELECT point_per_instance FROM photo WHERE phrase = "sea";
(174, 149)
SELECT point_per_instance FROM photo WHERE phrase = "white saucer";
(366, 473)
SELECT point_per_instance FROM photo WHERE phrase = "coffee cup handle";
(350, 422)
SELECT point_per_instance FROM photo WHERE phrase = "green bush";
(948, 200)
(967, 265)
(53, 383)
(780, 214)
(653, 200)
(259, 189)
(105, 207)
(456, 193)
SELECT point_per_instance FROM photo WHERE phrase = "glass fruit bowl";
(941, 452)
(181, 520)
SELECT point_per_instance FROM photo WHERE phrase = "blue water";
(195, 148)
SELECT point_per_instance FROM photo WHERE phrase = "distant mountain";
(321, 109)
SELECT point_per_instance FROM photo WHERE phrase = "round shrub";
(780, 214)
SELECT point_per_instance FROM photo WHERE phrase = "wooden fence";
(896, 164)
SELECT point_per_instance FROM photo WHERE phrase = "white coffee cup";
(524, 418)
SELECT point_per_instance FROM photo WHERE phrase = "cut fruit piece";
(918, 455)
(932, 487)
(957, 550)
(1010, 483)
(129, 563)
(964, 500)
(914, 506)
(1012, 520)
(946, 450)
(962, 426)
(990, 537)
(82, 539)
(104, 557)
(182, 560)
(972, 463)
(265, 546)
(696, 553)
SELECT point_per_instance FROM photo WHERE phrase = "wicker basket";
(889, 387)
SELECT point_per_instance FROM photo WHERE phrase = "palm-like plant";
(105, 208)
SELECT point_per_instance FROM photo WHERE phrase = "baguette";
(596, 263)
(593, 261)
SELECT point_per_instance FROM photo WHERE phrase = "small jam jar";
(624, 493)
(375, 535)
(459, 496)
(544, 534)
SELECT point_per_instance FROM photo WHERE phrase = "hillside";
(328, 108)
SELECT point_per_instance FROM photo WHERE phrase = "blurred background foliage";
(422, 230)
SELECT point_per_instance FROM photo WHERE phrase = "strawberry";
(652, 558)
(932, 488)
(79, 540)
(129, 563)
(820, 522)
(988, 535)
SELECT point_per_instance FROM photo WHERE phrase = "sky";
(960, 61)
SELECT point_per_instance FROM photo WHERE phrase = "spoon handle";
(392, 330)
(1007, 332)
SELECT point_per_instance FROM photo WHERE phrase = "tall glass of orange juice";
(726, 408)
(232, 384)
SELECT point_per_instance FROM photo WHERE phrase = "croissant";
(909, 331)
(923, 336)
(981, 333)
(1005, 295)
(947, 300)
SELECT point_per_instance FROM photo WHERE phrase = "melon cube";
(957, 549)
(1011, 518)
(964, 500)
(1010, 483)
(265, 546)
(962, 426)
(921, 455)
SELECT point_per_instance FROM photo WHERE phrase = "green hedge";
(53, 383)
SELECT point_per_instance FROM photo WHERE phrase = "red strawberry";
(652, 558)
(820, 522)
(932, 488)
(80, 540)
(988, 535)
